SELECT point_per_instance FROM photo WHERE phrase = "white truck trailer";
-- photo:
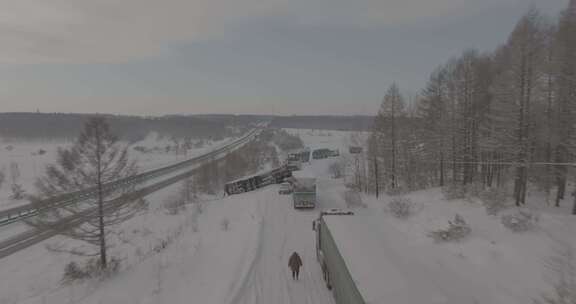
(363, 262)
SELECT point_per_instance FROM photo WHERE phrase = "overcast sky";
(153, 57)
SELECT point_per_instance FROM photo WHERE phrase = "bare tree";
(434, 109)
(14, 172)
(516, 92)
(2, 177)
(386, 132)
(96, 159)
(17, 190)
(566, 95)
(488, 118)
(546, 138)
(356, 163)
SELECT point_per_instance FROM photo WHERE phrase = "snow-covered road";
(284, 230)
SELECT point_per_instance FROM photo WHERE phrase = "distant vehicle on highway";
(321, 153)
(285, 188)
(301, 155)
(355, 150)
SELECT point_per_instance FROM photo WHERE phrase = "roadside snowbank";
(206, 266)
(33, 275)
(511, 266)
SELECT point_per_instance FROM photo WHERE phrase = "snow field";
(507, 267)
(203, 266)
(161, 158)
(330, 139)
(31, 164)
(33, 275)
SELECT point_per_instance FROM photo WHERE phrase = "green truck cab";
(304, 190)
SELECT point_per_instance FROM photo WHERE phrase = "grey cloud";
(89, 31)
(94, 31)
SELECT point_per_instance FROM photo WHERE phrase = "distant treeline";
(61, 126)
(348, 123)
(58, 126)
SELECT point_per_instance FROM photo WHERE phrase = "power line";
(502, 163)
(509, 163)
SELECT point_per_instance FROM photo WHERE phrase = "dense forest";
(505, 118)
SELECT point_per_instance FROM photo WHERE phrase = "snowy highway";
(284, 230)
(246, 263)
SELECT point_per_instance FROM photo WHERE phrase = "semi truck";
(301, 155)
(334, 270)
(259, 180)
(304, 189)
(362, 262)
(321, 153)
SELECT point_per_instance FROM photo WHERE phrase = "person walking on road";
(295, 263)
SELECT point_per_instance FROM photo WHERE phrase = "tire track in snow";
(284, 230)
(239, 288)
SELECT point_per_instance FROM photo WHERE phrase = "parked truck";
(321, 153)
(302, 155)
(365, 260)
(334, 270)
(304, 190)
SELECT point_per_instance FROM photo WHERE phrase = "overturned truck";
(256, 181)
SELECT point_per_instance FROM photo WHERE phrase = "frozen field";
(31, 162)
(33, 275)
(330, 139)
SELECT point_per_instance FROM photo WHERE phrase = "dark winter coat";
(295, 262)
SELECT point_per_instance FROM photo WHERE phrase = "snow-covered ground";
(505, 266)
(492, 265)
(33, 275)
(31, 162)
(205, 265)
(246, 264)
(157, 156)
(30, 165)
(284, 230)
(238, 251)
(331, 139)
